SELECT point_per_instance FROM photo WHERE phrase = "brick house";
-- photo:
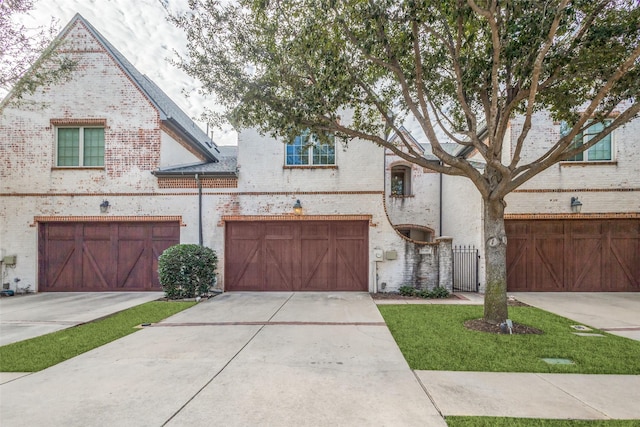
(551, 247)
(101, 173)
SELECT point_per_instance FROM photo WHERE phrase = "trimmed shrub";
(187, 270)
(406, 290)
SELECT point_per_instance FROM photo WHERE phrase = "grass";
(433, 337)
(535, 422)
(38, 353)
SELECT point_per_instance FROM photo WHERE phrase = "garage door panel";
(280, 272)
(102, 256)
(295, 255)
(132, 264)
(585, 264)
(350, 264)
(517, 267)
(98, 265)
(63, 264)
(548, 263)
(243, 259)
(625, 272)
(573, 255)
(316, 263)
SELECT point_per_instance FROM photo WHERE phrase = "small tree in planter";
(187, 270)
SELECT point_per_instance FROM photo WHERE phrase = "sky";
(139, 30)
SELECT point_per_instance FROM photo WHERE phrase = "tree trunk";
(495, 245)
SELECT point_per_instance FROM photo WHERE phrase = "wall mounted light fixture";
(576, 205)
(104, 206)
(297, 208)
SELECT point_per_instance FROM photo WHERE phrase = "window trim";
(310, 155)
(81, 126)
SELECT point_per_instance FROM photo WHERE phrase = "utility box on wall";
(391, 255)
(9, 260)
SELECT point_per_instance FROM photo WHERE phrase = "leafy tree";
(461, 68)
(28, 56)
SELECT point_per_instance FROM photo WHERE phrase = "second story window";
(602, 151)
(80, 146)
(400, 181)
(307, 150)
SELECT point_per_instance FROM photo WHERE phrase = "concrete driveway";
(27, 316)
(240, 359)
(615, 312)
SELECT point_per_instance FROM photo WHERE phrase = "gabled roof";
(407, 135)
(170, 114)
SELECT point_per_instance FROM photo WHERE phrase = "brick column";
(445, 262)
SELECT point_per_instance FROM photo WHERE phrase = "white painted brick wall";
(572, 179)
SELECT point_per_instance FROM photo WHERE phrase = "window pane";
(602, 150)
(94, 147)
(68, 147)
(324, 154)
(298, 152)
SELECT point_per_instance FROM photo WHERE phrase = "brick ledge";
(611, 215)
(106, 218)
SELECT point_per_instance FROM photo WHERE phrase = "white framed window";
(79, 146)
(602, 151)
(307, 150)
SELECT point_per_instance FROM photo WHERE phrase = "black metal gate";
(465, 269)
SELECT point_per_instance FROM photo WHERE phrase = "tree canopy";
(461, 68)
(28, 56)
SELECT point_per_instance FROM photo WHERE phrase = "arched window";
(400, 181)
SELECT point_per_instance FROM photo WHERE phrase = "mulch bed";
(482, 326)
(391, 295)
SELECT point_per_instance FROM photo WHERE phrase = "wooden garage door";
(296, 256)
(100, 256)
(573, 255)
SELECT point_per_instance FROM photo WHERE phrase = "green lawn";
(41, 352)
(534, 422)
(432, 337)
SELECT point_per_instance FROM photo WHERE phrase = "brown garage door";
(296, 256)
(102, 256)
(573, 255)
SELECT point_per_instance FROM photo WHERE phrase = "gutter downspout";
(199, 183)
(440, 205)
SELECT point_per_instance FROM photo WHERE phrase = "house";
(553, 245)
(101, 173)
(574, 227)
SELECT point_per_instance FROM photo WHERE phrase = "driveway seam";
(571, 395)
(224, 367)
(433, 402)
(212, 378)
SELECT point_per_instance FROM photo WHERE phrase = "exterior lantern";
(576, 205)
(104, 206)
(297, 208)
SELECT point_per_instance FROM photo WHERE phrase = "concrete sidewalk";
(559, 396)
(615, 312)
(279, 359)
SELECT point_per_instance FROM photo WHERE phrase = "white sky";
(139, 30)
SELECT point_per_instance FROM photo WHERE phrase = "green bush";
(187, 270)
(439, 292)
(410, 291)
(406, 290)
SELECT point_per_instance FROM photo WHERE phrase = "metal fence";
(465, 269)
